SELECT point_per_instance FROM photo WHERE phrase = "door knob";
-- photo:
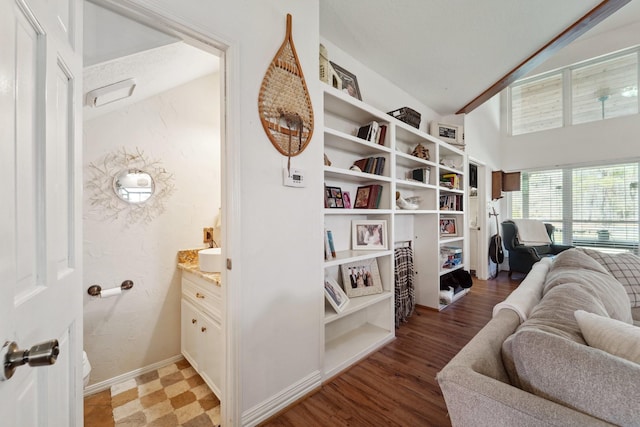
(43, 354)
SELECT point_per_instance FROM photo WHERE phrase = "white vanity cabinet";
(201, 328)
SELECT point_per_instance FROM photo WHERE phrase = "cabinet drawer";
(203, 297)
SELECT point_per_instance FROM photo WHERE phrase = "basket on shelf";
(407, 115)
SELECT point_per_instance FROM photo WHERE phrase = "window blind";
(589, 206)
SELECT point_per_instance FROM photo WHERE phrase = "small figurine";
(421, 152)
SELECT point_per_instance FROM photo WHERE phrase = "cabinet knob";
(203, 329)
(194, 321)
(199, 295)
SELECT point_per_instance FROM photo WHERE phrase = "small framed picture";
(333, 197)
(361, 278)
(362, 197)
(448, 227)
(452, 134)
(369, 234)
(334, 294)
(346, 198)
(348, 80)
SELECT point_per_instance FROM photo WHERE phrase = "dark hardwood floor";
(396, 386)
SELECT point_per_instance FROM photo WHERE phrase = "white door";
(40, 207)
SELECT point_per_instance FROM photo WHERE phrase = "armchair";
(521, 257)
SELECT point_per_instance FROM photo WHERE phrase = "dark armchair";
(521, 257)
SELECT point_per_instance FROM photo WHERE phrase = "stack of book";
(450, 180)
(368, 197)
(373, 132)
(450, 256)
(451, 202)
(371, 165)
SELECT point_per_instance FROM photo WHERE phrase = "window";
(595, 90)
(589, 206)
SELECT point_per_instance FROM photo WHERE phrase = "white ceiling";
(117, 48)
(444, 52)
(447, 52)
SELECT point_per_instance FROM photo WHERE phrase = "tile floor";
(172, 396)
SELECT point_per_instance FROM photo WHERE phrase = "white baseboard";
(286, 397)
(104, 385)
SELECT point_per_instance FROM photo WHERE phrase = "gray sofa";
(531, 366)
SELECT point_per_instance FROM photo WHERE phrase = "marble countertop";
(188, 261)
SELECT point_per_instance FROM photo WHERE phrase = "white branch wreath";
(103, 198)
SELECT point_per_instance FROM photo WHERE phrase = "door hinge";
(229, 264)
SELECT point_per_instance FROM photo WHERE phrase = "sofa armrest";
(527, 250)
(477, 391)
(556, 249)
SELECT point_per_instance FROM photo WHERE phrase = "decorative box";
(407, 115)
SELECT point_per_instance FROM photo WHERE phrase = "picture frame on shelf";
(362, 197)
(369, 234)
(346, 199)
(361, 278)
(448, 227)
(452, 134)
(348, 80)
(333, 197)
(335, 295)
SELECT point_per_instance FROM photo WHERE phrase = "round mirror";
(133, 186)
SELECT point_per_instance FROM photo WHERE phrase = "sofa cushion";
(578, 376)
(623, 266)
(574, 266)
(610, 335)
(554, 315)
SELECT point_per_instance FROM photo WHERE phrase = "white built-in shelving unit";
(368, 322)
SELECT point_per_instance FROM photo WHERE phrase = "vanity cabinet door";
(210, 352)
(190, 321)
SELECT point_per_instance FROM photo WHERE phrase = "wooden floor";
(396, 385)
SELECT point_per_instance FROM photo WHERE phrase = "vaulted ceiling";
(447, 52)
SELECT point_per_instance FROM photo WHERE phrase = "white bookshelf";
(368, 322)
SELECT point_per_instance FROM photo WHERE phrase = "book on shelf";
(329, 248)
(450, 256)
(451, 202)
(368, 197)
(369, 131)
(382, 133)
(373, 165)
(450, 180)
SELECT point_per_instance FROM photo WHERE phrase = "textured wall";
(179, 127)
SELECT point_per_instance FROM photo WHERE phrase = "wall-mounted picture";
(361, 278)
(333, 197)
(369, 234)
(334, 294)
(348, 80)
(448, 227)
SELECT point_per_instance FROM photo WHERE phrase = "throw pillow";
(573, 266)
(623, 266)
(610, 335)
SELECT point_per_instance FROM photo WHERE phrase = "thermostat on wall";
(293, 177)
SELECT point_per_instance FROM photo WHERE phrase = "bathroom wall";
(180, 128)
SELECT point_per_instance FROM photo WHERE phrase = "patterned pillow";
(625, 267)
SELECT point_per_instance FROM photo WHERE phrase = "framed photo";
(348, 80)
(334, 294)
(361, 278)
(452, 134)
(369, 234)
(362, 197)
(346, 198)
(448, 227)
(333, 197)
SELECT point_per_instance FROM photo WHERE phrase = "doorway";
(171, 126)
(477, 216)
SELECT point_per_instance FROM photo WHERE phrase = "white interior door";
(40, 218)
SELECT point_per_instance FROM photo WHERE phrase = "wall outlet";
(293, 177)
